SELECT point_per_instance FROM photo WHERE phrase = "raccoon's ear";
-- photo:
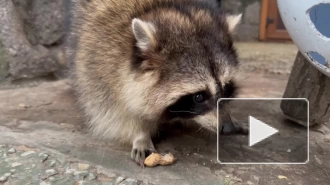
(233, 21)
(144, 33)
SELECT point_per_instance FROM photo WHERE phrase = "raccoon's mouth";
(181, 114)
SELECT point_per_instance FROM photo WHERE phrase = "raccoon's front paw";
(234, 128)
(139, 154)
(242, 129)
(142, 148)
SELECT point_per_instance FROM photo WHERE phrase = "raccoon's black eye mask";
(229, 90)
(199, 103)
(191, 105)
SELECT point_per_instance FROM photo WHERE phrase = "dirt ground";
(43, 116)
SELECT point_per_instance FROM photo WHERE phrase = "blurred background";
(33, 33)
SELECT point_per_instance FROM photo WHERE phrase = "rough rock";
(28, 59)
(44, 183)
(120, 179)
(43, 157)
(69, 171)
(7, 174)
(27, 153)
(43, 20)
(130, 181)
(27, 169)
(11, 151)
(80, 175)
(91, 176)
(83, 167)
(3, 178)
(51, 172)
(52, 163)
(15, 164)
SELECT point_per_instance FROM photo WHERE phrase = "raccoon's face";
(194, 61)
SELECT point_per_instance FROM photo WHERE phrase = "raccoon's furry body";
(140, 63)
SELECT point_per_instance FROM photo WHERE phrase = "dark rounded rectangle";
(290, 145)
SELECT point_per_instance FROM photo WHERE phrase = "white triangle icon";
(259, 131)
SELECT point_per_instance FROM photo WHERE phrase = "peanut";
(157, 159)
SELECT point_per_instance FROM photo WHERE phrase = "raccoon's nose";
(228, 128)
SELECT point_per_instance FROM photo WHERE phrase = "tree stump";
(307, 82)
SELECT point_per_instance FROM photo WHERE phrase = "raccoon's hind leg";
(142, 147)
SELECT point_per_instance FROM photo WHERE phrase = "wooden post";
(307, 82)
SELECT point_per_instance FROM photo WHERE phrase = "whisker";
(203, 132)
(182, 111)
(200, 128)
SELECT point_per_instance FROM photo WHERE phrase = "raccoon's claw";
(242, 129)
(140, 154)
(232, 128)
(142, 148)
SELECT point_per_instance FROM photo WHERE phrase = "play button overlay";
(274, 138)
(259, 131)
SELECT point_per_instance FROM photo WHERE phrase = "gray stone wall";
(31, 35)
(4, 63)
(251, 9)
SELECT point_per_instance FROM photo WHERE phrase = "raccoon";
(137, 64)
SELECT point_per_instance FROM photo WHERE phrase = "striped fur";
(134, 61)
